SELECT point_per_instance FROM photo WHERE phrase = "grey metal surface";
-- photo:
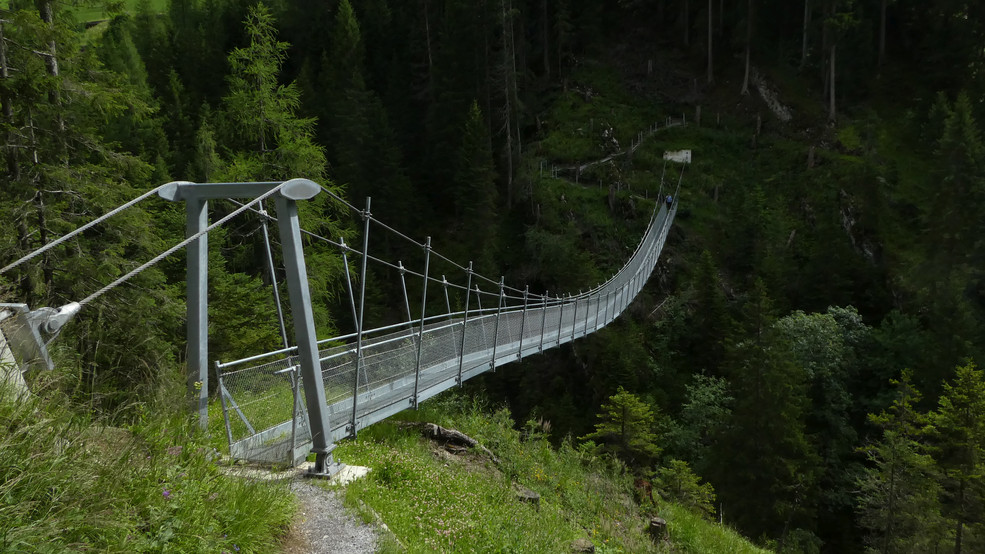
(197, 306)
(295, 189)
(304, 330)
(196, 196)
(403, 366)
(23, 337)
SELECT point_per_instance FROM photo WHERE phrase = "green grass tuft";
(68, 483)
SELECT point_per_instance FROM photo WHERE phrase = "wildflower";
(167, 493)
(174, 450)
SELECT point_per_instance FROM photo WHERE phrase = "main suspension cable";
(174, 249)
(96, 221)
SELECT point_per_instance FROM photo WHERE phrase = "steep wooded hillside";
(829, 237)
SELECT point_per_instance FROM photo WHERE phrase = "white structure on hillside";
(679, 156)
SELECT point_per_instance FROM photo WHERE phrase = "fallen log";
(436, 432)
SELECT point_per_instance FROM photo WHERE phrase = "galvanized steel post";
(403, 285)
(598, 310)
(523, 321)
(560, 318)
(605, 313)
(196, 197)
(588, 310)
(499, 311)
(367, 216)
(304, 330)
(574, 317)
(543, 320)
(465, 321)
(273, 274)
(222, 400)
(197, 309)
(444, 284)
(420, 333)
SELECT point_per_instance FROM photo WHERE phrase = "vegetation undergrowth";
(71, 482)
(433, 500)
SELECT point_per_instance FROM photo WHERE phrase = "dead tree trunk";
(546, 40)
(832, 113)
(687, 23)
(711, 72)
(436, 432)
(51, 59)
(507, 104)
(427, 44)
(807, 22)
(882, 33)
(10, 154)
(721, 17)
(47, 15)
(745, 79)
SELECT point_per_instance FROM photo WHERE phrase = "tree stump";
(451, 437)
(657, 529)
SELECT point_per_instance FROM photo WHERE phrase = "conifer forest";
(807, 347)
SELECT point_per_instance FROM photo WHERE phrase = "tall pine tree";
(899, 501)
(959, 447)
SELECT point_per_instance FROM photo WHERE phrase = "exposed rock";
(770, 97)
(523, 494)
(582, 545)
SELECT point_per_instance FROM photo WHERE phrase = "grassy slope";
(68, 484)
(97, 12)
(435, 501)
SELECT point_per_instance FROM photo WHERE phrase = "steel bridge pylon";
(287, 194)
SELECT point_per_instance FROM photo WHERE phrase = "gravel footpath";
(324, 526)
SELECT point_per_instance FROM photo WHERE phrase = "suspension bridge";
(279, 406)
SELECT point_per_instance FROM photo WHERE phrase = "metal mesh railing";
(396, 368)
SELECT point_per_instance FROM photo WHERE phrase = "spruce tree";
(364, 151)
(626, 429)
(710, 323)
(959, 447)
(679, 484)
(766, 470)
(474, 191)
(819, 345)
(263, 138)
(63, 170)
(706, 410)
(899, 503)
